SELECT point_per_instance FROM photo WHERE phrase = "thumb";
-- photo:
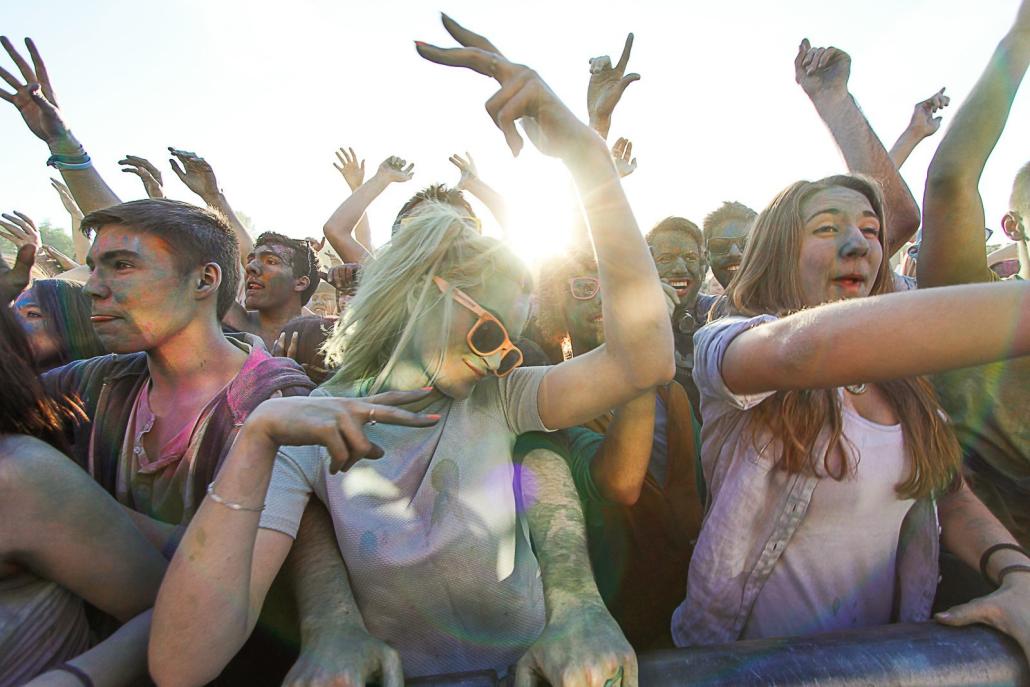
(627, 80)
(178, 170)
(976, 611)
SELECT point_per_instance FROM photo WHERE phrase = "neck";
(197, 357)
(274, 317)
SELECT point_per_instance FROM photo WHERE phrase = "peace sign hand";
(551, 127)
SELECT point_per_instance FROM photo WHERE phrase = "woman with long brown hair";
(826, 453)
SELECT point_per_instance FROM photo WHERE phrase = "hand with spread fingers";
(147, 172)
(62, 261)
(607, 84)
(396, 170)
(20, 230)
(622, 155)
(467, 166)
(69, 203)
(585, 647)
(822, 72)
(336, 423)
(35, 98)
(551, 127)
(13, 280)
(196, 173)
(923, 122)
(317, 245)
(353, 172)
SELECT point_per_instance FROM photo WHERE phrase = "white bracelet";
(229, 504)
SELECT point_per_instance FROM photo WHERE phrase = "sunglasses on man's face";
(487, 337)
(584, 288)
(722, 246)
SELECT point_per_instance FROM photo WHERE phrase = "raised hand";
(551, 127)
(66, 199)
(21, 231)
(923, 122)
(822, 72)
(148, 173)
(344, 277)
(13, 280)
(467, 166)
(622, 155)
(195, 173)
(336, 423)
(58, 258)
(607, 84)
(317, 245)
(35, 98)
(353, 172)
(396, 170)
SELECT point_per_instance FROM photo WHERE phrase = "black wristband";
(1011, 569)
(986, 557)
(84, 678)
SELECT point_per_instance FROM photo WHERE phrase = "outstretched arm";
(581, 643)
(198, 176)
(340, 226)
(471, 181)
(354, 174)
(923, 125)
(823, 74)
(953, 250)
(933, 330)
(38, 107)
(79, 240)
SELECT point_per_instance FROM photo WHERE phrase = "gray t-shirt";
(438, 555)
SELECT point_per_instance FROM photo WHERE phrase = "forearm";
(968, 529)
(635, 317)
(243, 238)
(162, 535)
(933, 330)
(493, 201)
(363, 233)
(620, 465)
(87, 187)
(340, 225)
(208, 584)
(80, 241)
(903, 147)
(121, 659)
(864, 154)
(601, 125)
(559, 535)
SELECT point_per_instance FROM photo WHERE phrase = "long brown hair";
(769, 282)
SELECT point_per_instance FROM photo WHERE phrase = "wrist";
(829, 98)
(214, 199)
(601, 124)
(65, 145)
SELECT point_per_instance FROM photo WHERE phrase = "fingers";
(631, 678)
(393, 674)
(486, 63)
(467, 38)
(277, 347)
(22, 270)
(626, 81)
(291, 350)
(507, 105)
(26, 221)
(976, 611)
(525, 675)
(41, 73)
(803, 49)
(23, 66)
(13, 82)
(629, 148)
(827, 56)
(624, 60)
(179, 172)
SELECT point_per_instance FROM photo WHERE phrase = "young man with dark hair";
(726, 231)
(282, 275)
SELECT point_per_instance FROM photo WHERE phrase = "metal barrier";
(896, 655)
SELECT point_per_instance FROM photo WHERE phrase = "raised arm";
(79, 240)
(953, 250)
(198, 176)
(823, 74)
(38, 107)
(354, 174)
(931, 330)
(581, 643)
(922, 125)
(147, 172)
(340, 226)
(471, 181)
(607, 84)
(637, 355)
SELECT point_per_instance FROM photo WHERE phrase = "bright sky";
(267, 90)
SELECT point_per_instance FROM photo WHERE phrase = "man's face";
(140, 297)
(583, 316)
(726, 248)
(677, 256)
(270, 280)
(323, 301)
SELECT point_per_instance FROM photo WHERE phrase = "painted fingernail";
(420, 44)
(427, 388)
(434, 417)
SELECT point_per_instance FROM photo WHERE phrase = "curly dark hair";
(305, 261)
(554, 280)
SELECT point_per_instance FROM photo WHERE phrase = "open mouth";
(253, 285)
(850, 282)
(682, 286)
(733, 268)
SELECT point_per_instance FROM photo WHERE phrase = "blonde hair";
(769, 281)
(396, 290)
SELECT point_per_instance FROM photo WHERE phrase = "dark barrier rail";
(895, 655)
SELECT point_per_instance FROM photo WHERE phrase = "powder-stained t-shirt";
(438, 556)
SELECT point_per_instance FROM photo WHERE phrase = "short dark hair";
(676, 224)
(728, 211)
(438, 192)
(197, 236)
(305, 261)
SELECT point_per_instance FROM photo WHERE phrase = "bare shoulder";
(26, 461)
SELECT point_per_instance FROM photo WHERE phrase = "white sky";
(267, 90)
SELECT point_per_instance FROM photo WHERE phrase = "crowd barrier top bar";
(895, 655)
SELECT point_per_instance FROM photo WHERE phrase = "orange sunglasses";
(488, 336)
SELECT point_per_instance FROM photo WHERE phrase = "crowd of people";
(261, 460)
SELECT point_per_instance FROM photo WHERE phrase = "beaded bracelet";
(986, 557)
(230, 504)
(84, 678)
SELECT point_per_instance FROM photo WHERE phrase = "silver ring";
(615, 680)
(372, 418)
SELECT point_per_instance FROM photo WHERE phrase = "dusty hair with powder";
(396, 290)
(769, 282)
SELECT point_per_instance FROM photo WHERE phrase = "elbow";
(622, 494)
(654, 362)
(943, 182)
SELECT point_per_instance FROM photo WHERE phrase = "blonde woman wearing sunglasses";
(435, 538)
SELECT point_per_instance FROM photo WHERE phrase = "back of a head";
(67, 308)
(769, 279)
(396, 289)
(196, 235)
(1019, 200)
(437, 193)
